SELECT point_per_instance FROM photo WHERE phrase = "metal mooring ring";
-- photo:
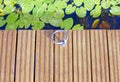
(63, 42)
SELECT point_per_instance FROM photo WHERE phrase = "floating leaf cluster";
(15, 14)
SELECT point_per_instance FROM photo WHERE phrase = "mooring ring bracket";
(63, 42)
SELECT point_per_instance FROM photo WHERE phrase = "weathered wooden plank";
(70, 63)
(70, 57)
(25, 56)
(57, 63)
(44, 57)
(7, 55)
(81, 56)
(94, 76)
(118, 51)
(63, 60)
(104, 56)
(114, 54)
(100, 68)
(1, 42)
(3, 53)
(88, 58)
(75, 56)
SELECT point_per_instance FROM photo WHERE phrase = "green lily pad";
(55, 22)
(37, 25)
(115, 10)
(78, 2)
(70, 9)
(81, 12)
(78, 27)
(67, 23)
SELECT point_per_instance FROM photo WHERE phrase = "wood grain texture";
(99, 55)
(25, 56)
(81, 56)
(114, 54)
(44, 57)
(89, 56)
(7, 55)
(63, 60)
(118, 51)
(1, 42)
(75, 58)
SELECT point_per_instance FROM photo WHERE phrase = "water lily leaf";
(70, 9)
(114, 2)
(7, 2)
(1, 12)
(11, 19)
(115, 10)
(55, 22)
(27, 7)
(78, 27)
(96, 12)
(46, 17)
(78, 2)
(1, 1)
(38, 11)
(105, 4)
(8, 9)
(51, 8)
(11, 26)
(48, 1)
(37, 25)
(81, 12)
(60, 4)
(25, 20)
(97, 2)
(38, 3)
(20, 23)
(67, 23)
(89, 4)
(1, 6)
(2, 21)
(59, 13)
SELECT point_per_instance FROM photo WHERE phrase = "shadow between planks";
(89, 56)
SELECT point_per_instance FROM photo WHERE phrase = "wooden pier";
(89, 56)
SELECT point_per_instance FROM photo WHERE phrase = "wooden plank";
(1, 42)
(114, 54)
(118, 51)
(44, 57)
(65, 65)
(86, 48)
(104, 56)
(75, 57)
(100, 70)
(94, 76)
(57, 63)
(3, 53)
(25, 56)
(70, 57)
(81, 55)
(63, 60)
(7, 57)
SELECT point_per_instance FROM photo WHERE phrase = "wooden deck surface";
(89, 56)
